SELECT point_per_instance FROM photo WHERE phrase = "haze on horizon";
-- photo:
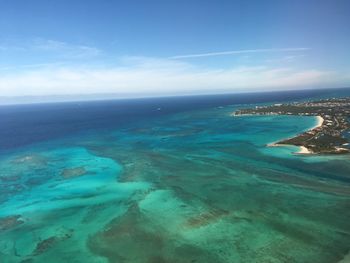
(161, 48)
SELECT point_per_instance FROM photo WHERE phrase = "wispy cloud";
(66, 73)
(243, 51)
(286, 59)
(66, 49)
(146, 77)
(49, 47)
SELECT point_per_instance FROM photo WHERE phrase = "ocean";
(174, 179)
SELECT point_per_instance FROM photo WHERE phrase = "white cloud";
(236, 52)
(142, 77)
(48, 47)
(65, 49)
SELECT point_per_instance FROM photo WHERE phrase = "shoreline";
(325, 136)
(320, 122)
(302, 149)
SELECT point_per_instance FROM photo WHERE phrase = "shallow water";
(187, 186)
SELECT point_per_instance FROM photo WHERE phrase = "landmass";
(327, 137)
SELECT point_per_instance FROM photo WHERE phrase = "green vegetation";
(328, 137)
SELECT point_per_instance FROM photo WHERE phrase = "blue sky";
(146, 48)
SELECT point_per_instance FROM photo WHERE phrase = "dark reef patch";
(10, 222)
(73, 172)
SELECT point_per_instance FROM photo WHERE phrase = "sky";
(159, 48)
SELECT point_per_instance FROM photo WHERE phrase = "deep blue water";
(168, 180)
(25, 124)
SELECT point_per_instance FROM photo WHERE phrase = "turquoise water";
(191, 186)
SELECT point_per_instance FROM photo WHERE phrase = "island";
(328, 137)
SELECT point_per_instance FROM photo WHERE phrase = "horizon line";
(87, 97)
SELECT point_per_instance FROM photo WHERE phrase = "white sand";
(320, 121)
(304, 150)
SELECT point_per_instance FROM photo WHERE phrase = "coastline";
(302, 149)
(320, 121)
(327, 136)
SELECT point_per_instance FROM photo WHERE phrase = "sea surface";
(168, 180)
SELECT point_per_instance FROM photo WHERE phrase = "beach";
(302, 149)
(320, 121)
